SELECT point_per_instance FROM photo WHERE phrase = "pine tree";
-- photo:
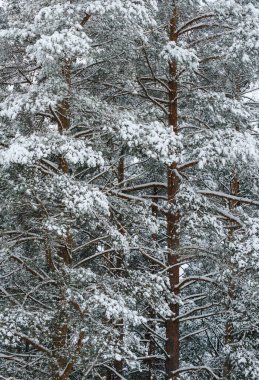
(61, 311)
(129, 190)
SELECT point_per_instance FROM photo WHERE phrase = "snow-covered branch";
(219, 194)
(196, 369)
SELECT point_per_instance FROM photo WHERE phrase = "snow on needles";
(185, 57)
(26, 150)
(153, 139)
(77, 198)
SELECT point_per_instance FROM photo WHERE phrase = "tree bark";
(173, 218)
(63, 116)
(234, 191)
(118, 364)
(229, 328)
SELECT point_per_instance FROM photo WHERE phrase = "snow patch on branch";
(65, 44)
(153, 140)
(129, 9)
(182, 56)
(79, 198)
(28, 150)
(239, 147)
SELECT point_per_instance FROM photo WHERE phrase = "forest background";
(129, 225)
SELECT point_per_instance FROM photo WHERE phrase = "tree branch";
(220, 194)
(195, 369)
(194, 20)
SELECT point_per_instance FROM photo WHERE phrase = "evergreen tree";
(129, 189)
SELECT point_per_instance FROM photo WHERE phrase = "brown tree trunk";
(151, 362)
(234, 190)
(62, 365)
(63, 113)
(229, 328)
(108, 374)
(118, 364)
(62, 117)
(173, 217)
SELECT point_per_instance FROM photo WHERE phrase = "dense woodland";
(129, 223)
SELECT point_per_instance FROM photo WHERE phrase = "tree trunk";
(118, 364)
(173, 217)
(229, 328)
(151, 362)
(234, 190)
(61, 336)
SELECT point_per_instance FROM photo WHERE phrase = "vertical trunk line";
(64, 111)
(118, 364)
(108, 374)
(173, 218)
(151, 362)
(234, 190)
(62, 329)
(229, 328)
(60, 369)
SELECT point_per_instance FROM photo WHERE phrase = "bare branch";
(93, 257)
(220, 194)
(187, 165)
(209, 15)
(36, 345)
(88, 243)
(192, 334)
(144, 186)
(29, 269)
(153, 259)
(195, 27)
(153, 100)
(137, 199)
(187, 280)
(196, 369)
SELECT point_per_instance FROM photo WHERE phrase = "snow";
(153, 140)
(28, 150)
(104, 244)
(181, 55)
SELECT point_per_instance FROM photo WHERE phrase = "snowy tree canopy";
(129, 189)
